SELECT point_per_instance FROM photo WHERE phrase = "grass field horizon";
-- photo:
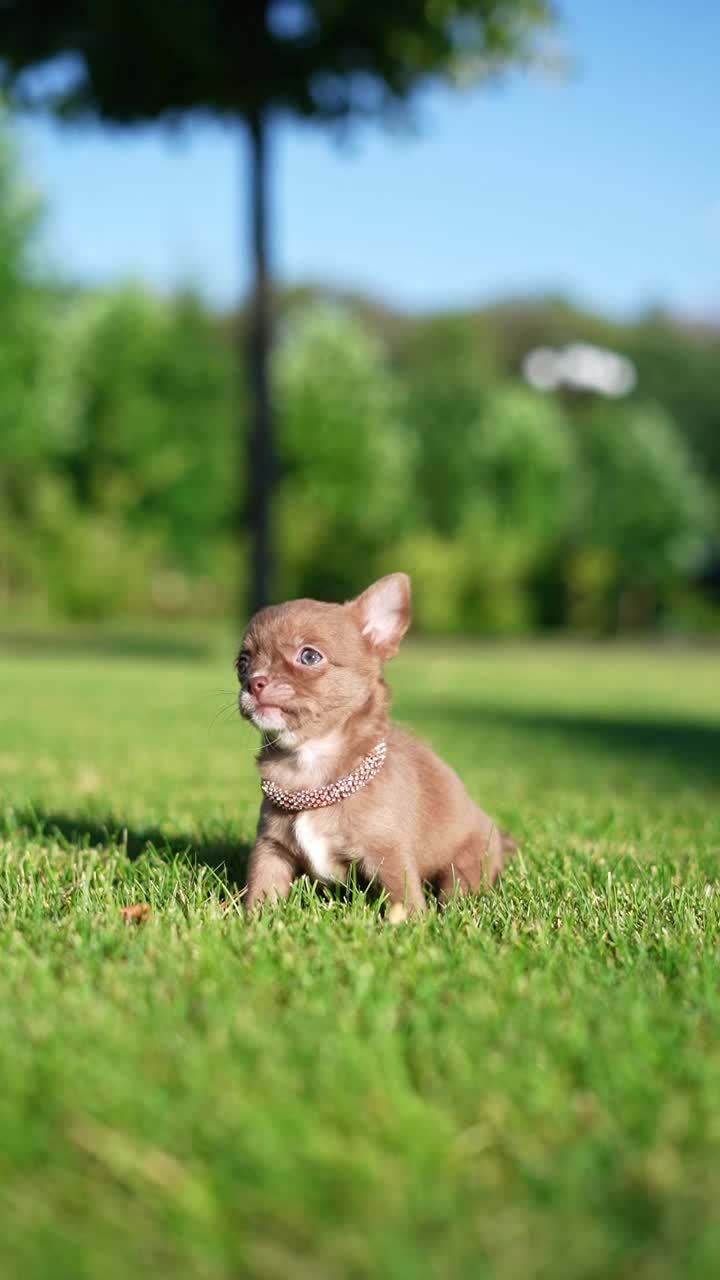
(525, 1085)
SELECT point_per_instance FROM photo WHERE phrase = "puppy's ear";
(383, 612)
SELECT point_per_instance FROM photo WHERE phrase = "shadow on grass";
(99, 642)
(689, 749)
(227, 857)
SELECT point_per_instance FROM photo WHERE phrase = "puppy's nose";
(257, 684)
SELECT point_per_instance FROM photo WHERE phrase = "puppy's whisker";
(223, 713)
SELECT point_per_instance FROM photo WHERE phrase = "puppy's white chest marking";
(315, 846)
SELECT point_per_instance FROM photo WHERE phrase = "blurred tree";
(347, 457)
(139, 490)
(147, 428)
(25, 393)
(20, 303)
(521, 460)
(115, 440)
(448, 375)
(644, 518)
(325, 60)
(514, 498)
(678, 365)
(680, 368)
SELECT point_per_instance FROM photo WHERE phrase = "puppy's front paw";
(397, 914)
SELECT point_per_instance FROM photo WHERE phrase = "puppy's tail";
(509, 846)
(500, 856)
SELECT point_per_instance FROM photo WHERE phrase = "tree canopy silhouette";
(244, 61)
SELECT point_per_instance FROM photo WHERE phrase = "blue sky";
(604, 185)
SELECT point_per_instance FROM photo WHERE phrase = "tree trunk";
(261, 470)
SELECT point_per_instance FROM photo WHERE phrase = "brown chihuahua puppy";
(341, 783)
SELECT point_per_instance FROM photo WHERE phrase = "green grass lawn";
(525, 1086)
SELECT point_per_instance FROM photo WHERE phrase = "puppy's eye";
(242, 664)
(309, 657)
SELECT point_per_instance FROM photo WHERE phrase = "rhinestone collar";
(332, 792)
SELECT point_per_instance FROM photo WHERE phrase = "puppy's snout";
(257, 684)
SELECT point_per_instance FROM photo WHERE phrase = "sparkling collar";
(332, 792)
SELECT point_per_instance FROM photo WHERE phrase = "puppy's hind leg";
(401, 883)
(475, 865)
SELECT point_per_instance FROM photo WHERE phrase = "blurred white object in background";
(580, 366)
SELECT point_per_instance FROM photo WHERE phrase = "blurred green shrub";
(445, 377)
(404, 443)
(126, 477)
(514, 504)
(91, 568)
(150, 429)
(346, 489)
(644, 521)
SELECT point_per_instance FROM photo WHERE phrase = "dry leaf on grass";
(138, 913)
(234, 903)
